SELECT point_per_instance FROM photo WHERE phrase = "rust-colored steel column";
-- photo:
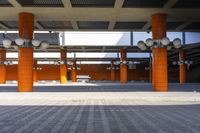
(112, 71)
(2, 66)
(63, 67)
(25, 61)
(182, 69)
(123, 67)
(160, 69)
(74, 72)
(35, 71)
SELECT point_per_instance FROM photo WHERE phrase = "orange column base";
(73, 76)
(25, 70)
(34, 76)
(63, 74)
(160, 69)
(113, 76)
(182, 73)
(2, 74)
(123, 73)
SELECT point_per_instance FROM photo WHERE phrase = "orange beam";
(25, 62)
(182, 69)
(112, 71)
(159, 60)
(123, 67)
(2, 66)
(74, 72)
(63, 67)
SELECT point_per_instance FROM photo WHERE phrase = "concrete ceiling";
(103, 15)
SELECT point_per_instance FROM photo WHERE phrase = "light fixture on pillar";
(7, 63)
(126, 62)
(61, 62)
(186, 62)
(113, 68)
(7, 43)
(159, 43)
(44, 45)
(37, 68)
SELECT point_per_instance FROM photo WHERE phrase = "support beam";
(14, 3)
(182, 67)
(103, 49)
(2, 66)
(63, 67)
(25, 61)
(118, 5)
(111, 25)
(123, 67)
(39, 26)
(67, 3)
(74, 72)
(112, 71)
(74, 25)
(181, 27)
(146, 26)
(170, 3)
(3, 26)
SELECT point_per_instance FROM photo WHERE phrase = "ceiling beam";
(183, 25)
(111, 25)
(74, 25)
(103, 49)
(3, 26)
(170, 3)
(118, 5)
(146, 26)
(83, 48)
(67, 3)
(14, 3)
(39, 26)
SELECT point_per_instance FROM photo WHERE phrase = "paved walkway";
(100, 112)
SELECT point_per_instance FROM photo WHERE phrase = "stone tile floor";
(89, 110)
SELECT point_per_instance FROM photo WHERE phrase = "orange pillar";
(25, 61)
(160, 69)
(112, 71)
(150, 68)
(182, 69)
(35, 71)
(63, 67)
(123, 67)
(74, 72)
(2, 66)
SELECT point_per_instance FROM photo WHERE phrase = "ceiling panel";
(41, 3)
(193, 26)
(93, 24)
(10, 24)
(129, 25)
(93, 3)
(4, 3)
(187, 4)
(173, 25)
(56, 24)
(144, 3)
